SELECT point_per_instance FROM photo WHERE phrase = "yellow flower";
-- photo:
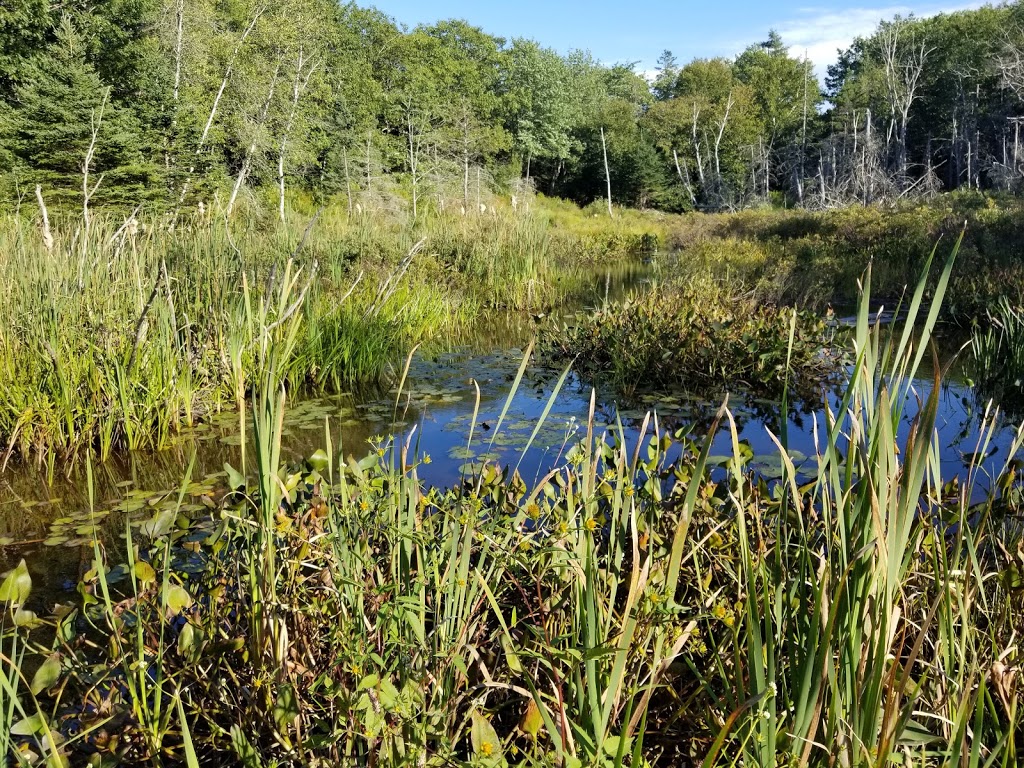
(590, 524)
(533, 510)
(426, 458)
(486, 749)
(363, 505)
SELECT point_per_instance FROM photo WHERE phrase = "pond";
(50, 520)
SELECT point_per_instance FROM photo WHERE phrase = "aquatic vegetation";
(697, 335)
(996, 360)
(124, 333)
(641, 603)
(813, 259)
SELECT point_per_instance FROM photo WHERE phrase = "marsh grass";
(996, 360)
(125, 332)
(697, 333)
(813, 259)
(630, 607)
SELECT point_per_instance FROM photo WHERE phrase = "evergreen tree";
(60, 106)
(664, 86)
(24, 29)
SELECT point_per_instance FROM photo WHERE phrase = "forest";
(420, 398)
(163, 104)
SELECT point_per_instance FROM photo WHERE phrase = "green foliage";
(242, 101)
(696, 335)
(996, 362)
(815, 259)
(161, 337)
(785, 89)
(63, 110)
(644, 604)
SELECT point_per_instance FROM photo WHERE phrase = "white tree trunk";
(243, 172)
(607, 174)
(228, 70)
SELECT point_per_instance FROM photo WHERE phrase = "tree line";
(173, 103)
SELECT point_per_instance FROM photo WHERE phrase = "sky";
(639, 30)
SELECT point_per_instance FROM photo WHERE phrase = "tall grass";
(814, 258)
(697, 334)
(128, 331)
(996, 360)
(863, 632)
(630, 607)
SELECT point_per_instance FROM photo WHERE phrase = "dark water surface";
(48, 520)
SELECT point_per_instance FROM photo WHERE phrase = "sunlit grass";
(631, 607)
(123, 334)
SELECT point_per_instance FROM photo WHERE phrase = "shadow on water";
(48, 520)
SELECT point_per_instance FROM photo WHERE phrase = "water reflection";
(47, 520)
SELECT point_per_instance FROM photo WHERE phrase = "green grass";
(631, 607)
(123, 334)
(815, 258)
(996, 357)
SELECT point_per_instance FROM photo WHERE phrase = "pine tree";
(664, 86)
(24, 28)
(58, 105)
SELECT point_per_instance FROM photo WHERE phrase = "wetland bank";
(509, 539)
(413, 397)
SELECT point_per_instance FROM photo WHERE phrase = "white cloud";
(821, 33)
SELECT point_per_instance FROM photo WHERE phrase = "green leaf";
(28, 726)
(16, 585)
(191, 758)
(370, 681)
(159, 524)
(235, 480)
(511, 658)
(187, 641)
(484, 738)
(532, 719)
(27, 619)
(286, 708)
(388, 696)
(47, 675)
(144, 572)
(178, 599)
(319, 461)
(612, 744)
(244, 749)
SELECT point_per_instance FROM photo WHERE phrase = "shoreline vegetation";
(627, 609)
(214, 210)
(119, 334)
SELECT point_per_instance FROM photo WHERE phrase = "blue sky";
(639, 30)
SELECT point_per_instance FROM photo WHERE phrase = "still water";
(48, 521)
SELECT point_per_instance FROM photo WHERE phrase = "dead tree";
(903, 59)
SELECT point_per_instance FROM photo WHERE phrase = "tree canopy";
(172, 102)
